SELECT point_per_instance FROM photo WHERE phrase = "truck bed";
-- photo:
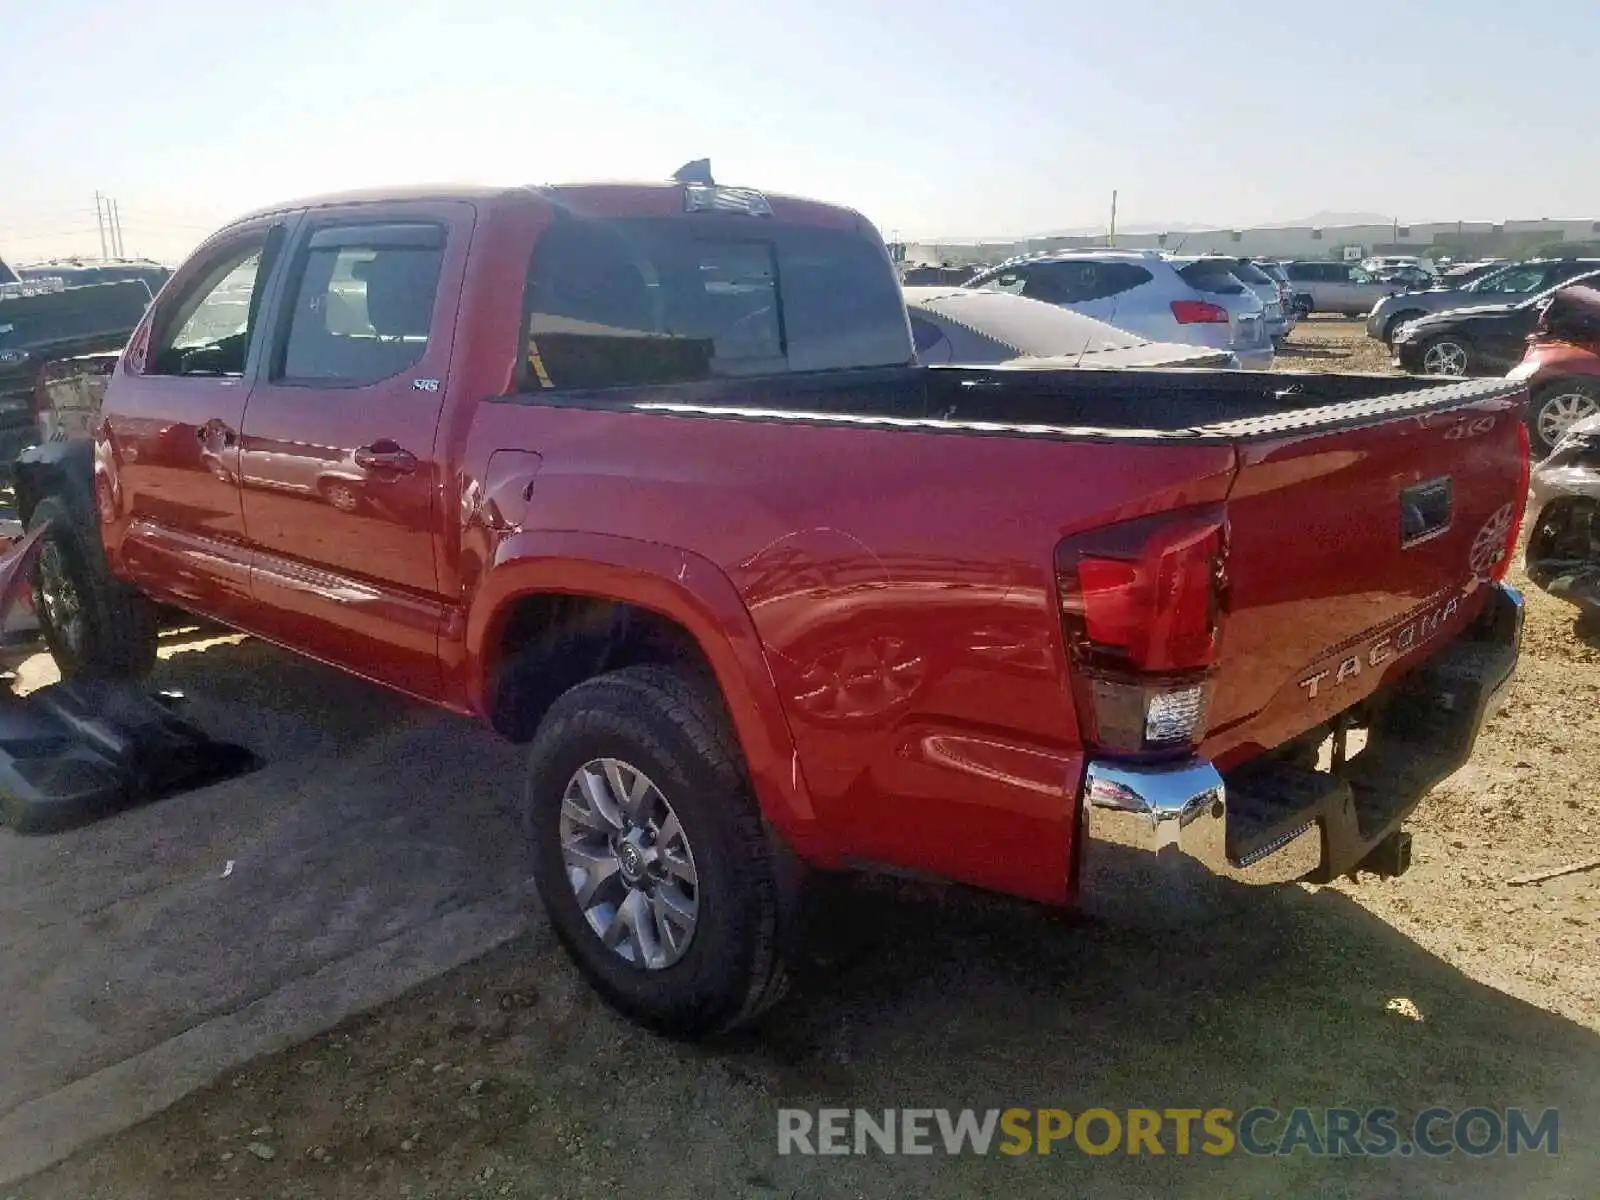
(1123, 405)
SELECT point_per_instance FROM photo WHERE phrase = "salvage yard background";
(506, 1077)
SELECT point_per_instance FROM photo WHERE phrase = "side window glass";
(1010, 282)
(208, 329)
(1526, 279)
(363, 305)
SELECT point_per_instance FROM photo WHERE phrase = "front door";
(341, 480)
(171, 427)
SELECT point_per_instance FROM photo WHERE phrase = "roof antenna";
(698, 171)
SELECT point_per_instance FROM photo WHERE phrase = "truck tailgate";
(1355, 547)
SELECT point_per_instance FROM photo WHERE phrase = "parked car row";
(1506, 284)
(973, 326)
(1321, 285)
(1195, 300)
(1550, 340)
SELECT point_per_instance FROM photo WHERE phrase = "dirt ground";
(1448, 986)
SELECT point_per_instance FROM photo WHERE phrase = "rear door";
(1503, 341)
(338, 462)
(1353, 553)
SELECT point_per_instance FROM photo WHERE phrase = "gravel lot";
(1449, 986)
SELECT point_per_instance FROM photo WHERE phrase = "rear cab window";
(642, 301)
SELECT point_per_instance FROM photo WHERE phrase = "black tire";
(671, 727)
(1569, 395)
(95, 626)
(1399, 319)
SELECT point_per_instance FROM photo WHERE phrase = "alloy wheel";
(629, 863)
(1559, 413)
(1445, 358)
(58, 596)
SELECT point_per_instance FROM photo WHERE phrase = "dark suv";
(1507, 285)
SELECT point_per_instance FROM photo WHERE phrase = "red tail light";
(1199, 312)
(1519, 505)
(1142, 605)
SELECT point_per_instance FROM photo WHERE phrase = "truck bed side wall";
(900, 586)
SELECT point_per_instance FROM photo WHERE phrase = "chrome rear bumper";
(1181, 812)
(1275, 823)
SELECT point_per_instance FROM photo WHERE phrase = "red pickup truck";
(649, 477)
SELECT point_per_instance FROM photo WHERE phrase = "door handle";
(215, 428)
(385, 456)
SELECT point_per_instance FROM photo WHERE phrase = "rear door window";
(644, 301)
(363, 304)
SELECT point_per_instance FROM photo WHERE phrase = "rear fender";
(682, 587)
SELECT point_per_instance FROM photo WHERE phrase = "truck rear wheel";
(650, 856)
(95, 625)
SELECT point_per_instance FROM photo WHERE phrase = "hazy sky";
(952, 117)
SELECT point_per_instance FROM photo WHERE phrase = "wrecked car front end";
(1563, 554)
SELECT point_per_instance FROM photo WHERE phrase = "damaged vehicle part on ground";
(1563, 555)
(76, 751)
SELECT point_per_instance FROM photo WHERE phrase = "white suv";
(1190, 300)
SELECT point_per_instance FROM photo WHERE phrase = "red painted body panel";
(877, 603)
(1553, 360)
(1318, 566)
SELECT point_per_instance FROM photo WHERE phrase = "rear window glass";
(657, 301)
(1215, 278)
(1249, 273)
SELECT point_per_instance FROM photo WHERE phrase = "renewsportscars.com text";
(1318, 1132)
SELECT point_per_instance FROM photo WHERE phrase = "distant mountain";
(1131, 227)
(1328, 220)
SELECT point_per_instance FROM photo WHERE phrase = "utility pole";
(100, 220)
(1111, 239)
(116, 230)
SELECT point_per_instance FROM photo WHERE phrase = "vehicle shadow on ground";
(219, 671)
(1317, 352)
(1283, 998)
(1586, 629)
(912, 995)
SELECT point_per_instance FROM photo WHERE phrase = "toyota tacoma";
(648, 477)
